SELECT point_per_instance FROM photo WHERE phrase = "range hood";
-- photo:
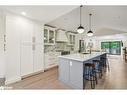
(61, 36)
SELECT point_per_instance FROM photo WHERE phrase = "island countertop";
(82, 57)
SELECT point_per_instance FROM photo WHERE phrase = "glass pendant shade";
(80, 29)
(90, 33)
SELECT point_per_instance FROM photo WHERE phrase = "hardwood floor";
(116, 78)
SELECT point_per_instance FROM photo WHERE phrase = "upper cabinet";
(49, 35)
(71, 37)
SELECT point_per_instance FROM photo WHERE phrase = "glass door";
(105, 46)
(115, 47)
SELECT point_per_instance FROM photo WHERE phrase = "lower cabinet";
(64, 70)
(31, 60)
(76, 73)
(71, 73)
(51, 59)
(26, 60)
(38, 59)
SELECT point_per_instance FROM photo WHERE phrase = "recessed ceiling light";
(23, 13)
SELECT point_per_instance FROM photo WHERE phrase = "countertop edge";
(66, 57)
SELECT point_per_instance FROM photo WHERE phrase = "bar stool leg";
(108, 64)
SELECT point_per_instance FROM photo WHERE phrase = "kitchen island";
(71, 68)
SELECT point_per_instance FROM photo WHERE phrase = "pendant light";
(90, 32)
(80, 29)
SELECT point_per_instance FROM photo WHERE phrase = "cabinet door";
(38, 58)
(38, 48)
(27, 33)
(73, 39)
(26, 59)
(70, 39)
(64, 70)
(45, 35)
(51, 36)
(76, 74)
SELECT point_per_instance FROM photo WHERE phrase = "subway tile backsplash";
(57, 47)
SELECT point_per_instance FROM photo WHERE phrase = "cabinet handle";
(33, 47)
(4, 47)
(4, 38)
(33, 39)
(4, 42)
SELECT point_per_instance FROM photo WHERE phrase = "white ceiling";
(106, 20)
(40, 13)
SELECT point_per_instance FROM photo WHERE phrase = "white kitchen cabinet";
(26, 59)
(38, 59)
(24, 47)
(12, 53)
(51, 59)
(32, 49)
(49, 35)
(38, 48)
(31, 59)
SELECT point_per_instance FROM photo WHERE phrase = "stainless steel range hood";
(61, 36)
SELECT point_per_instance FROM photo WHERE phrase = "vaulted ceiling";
(106, 20)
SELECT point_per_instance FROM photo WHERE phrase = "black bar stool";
(90, 74)
(105, 62)
(98, 67)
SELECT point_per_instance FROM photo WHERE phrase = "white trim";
(12, 80)
(32, 74)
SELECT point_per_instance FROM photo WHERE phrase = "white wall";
(98, 39)
(117, 37)
(2, 31)
(15, 31)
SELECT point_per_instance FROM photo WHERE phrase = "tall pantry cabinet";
(31, 48)
(24, 47)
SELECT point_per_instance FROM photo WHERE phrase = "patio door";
(112, 47)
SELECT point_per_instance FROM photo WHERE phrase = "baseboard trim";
(32, 74)
(12, 80)
(46, 69)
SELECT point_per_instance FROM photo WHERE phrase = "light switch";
(70, 63)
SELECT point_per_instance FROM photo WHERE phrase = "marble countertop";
(82, 57)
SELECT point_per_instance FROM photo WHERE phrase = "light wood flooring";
(116, 78)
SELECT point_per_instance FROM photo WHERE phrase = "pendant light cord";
(80, 14)
(90, 21)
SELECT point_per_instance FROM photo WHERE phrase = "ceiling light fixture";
(23, 13)
(80, 29)
(90, 32)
